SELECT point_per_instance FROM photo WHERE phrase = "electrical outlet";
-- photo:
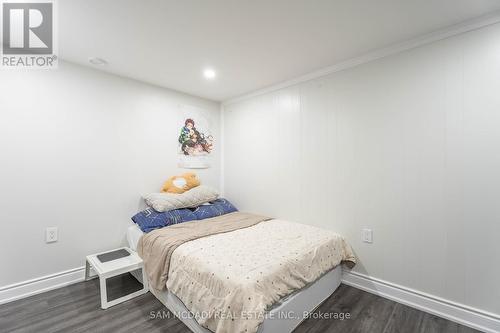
(367, 236)
(51, 235)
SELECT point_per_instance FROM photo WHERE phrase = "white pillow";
(163, 202)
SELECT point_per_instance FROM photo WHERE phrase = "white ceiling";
(251, 44)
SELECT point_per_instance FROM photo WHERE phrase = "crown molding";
(454, 30)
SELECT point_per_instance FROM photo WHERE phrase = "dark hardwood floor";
(76, 308)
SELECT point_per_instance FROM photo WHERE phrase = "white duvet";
(229, 280)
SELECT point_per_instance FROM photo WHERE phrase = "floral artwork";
(194, 142)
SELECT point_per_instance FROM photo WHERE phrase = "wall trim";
(454, 30)
(460, 313)
(41, 284)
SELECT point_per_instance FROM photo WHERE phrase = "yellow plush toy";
(180, 184)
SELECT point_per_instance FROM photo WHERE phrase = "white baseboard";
(465, 315)
(42, 284)
(462, 314)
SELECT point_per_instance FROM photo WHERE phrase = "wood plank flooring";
(76, 308)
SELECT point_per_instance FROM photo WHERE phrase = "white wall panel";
(408, 145)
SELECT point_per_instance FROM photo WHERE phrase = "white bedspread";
(230, 290)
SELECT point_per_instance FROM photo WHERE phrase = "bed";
(275, 273)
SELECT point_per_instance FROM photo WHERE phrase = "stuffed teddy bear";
(181, 184)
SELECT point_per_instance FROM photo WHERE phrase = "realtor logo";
(28, 34)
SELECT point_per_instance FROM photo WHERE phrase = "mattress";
(283, 317)
(301, 301)
(229, 279)
(133, 235)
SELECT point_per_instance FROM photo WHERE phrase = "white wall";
(78, 148)
(408, 145)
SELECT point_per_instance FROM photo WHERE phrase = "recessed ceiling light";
(209, 74)
(98, 61)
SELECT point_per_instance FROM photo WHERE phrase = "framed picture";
(196, 141)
